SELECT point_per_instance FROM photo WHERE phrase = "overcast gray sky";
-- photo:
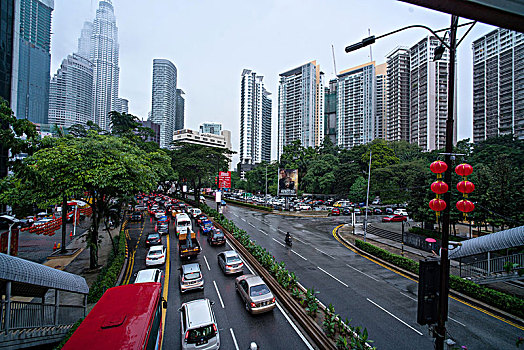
(211, 42)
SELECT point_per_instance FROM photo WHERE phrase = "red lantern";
(465, 187)
(437, 204)
(439, 187)
(438, 167)
(465, 206)
(464, 169)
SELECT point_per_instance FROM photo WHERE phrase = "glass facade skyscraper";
(164, 99)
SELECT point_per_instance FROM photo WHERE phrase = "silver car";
(230, 262)
(255, 293)
(198, 326)
(191, 277)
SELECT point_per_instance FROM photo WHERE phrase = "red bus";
(126, 317)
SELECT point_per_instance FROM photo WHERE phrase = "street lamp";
(440, 329)
(13, 221)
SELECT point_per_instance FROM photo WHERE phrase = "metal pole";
(367, 198)
(402, 244)
(57, 305)
(9, 240)
(74, 225)
(7, 317)
(440, 329)
(266, 183)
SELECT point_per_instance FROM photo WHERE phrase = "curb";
(462, 298)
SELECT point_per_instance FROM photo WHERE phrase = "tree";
(294, 156)
(382, 156)
(357, 192)
(77, 130)
(320, 176)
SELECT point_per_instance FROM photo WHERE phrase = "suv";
(191, 277)
(198, 325)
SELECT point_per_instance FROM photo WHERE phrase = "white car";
(196, 212)
(156, 255)
(148, 275)
(43, 221)
(304, 207)
(159, 214)
(402, 212)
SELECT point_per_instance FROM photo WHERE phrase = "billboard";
(287, 182)
(224, 179)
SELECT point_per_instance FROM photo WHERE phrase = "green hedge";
(109, 274)
(503, 301)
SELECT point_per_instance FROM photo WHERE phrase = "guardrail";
(24, 315)
(490, 266)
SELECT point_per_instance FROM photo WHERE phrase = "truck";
(188, 245)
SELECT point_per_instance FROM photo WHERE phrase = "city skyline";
(217, 94)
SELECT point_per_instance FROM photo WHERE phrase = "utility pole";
(367, 197)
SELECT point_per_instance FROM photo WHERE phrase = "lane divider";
(395, 317)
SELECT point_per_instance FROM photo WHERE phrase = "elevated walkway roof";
(511, 238)
(32, 279)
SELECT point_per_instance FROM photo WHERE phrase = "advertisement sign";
(218, 197)
(287, 182)
(224, 179)
(184, 188)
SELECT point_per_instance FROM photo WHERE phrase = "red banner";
(4, 238)
(224, 179)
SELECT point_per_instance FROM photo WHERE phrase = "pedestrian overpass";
(27, 317)
(492, 269)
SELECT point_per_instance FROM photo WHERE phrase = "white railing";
(491, 266)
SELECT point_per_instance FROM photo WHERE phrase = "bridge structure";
(31, 313)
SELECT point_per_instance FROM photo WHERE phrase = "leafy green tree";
(77, 130)
(382, 156)
(320, 176)
(358, 191)
(295, 156)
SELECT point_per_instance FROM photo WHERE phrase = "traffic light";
(428, 287)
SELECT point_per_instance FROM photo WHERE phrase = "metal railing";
(24, 315)
(491, 266)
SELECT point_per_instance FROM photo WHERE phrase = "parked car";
(43, 221)
(230, 262)
(304, 207)
(137, 216)
(198, 325)
(153, 239)
(394, 218)
(346, 211)
(255, 293)
(357, 211)
(335, 211)
(156, 255)
(401, 211)
(216, 237)
(148, 275)
(190, 277)
(389, 210)
(377, 211)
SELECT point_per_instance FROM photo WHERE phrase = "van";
(198, 326)
(182, 223)
(148, 275)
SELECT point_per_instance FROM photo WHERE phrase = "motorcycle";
(289, 241)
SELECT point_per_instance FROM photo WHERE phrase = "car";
(216, 237)
(162, 228)
(148, 275)
(198, 326)
(357, 211)
(230, 262)
(346, 211)
(377, 211)
(335, 211)
(255, 293)
(394, 218)
(401, 211)
(156, 255)
(206, 227)
(304, 207)
(389, 210)
(159, 214)
(137, 216)
(223, 203)
(195, 212)
(190, 277)
(25, 222)
(200, 219)
(140, 207)
(153, 238)
(43, 221)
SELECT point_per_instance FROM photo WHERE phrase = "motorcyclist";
(288, 238)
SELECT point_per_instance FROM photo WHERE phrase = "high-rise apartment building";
(380, 101)
(180, 110)
(32, 60)
(164, 98)
(398, 101)
(122, 105)
(255, 119)
(7, 41)
(498, 85)
(104, 55)
(428, 95)
(301, 106)
(71, 92)
(356, 105)
(211, 128)
(330, 108)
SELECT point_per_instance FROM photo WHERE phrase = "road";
(237, 328)
(365, 292)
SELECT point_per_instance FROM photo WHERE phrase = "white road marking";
(324, 253)
(282, 231)
(298, 254)
(263, 232)
(243, 219)
(330, 275)
(234, 339)
(407, 296)
(298, 239)
(389, 313)
(365, 274)
(229, 245)
(278, 242)
(207, 263)
(460, 323)
(219, 296)
(250, 224)
(294, 327)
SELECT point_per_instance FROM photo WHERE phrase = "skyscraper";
(122, 105)
(32, 59)
(380, 101)
(104, 55)
(498, 85)
(301, 106)
(330, 103)
(429, 88)
(356, 105)
(211, 128)
(85, 44)
(255, 119)
(180, 110)
(71, 92)
(164, 98)
(398, 99)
